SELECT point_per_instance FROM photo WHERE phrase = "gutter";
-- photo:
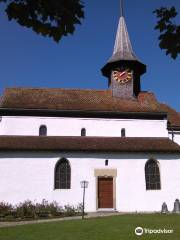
(81, 113)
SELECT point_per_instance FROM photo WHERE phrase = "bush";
(32, 210)
(48, 209)
(69, 210)
(79, 208)
(5, 209)
(72, 210)
(26, 210)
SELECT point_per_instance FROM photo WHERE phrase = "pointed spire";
(122, 49)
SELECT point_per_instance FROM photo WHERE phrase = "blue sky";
(29, 60)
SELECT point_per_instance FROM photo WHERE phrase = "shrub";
(69, 210)
(55, 209)
(72, 210)
(5, 208)
(45, 208)
(79, 207)
(32, 210)
(26, 209)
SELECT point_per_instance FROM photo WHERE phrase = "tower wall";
(124, 91)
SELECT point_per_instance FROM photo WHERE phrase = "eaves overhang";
(81, 113)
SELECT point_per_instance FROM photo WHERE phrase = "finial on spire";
(121, 8)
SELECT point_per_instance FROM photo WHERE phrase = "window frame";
(40, 129)
(156, 175)
(83, 132)
(107, 162)
(123, 132)
(68, 185)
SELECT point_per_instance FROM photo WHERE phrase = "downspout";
(172, 132)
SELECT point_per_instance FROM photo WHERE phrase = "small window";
(62, 175)
(106, 162)
(152, 175)
(123, 132)
(83, 132)
(43, 130)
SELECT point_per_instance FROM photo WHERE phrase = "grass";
(108, 228)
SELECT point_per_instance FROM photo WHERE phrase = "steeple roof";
(123, 50)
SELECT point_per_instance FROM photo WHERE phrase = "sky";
(30, 60)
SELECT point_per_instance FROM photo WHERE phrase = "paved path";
(90, 215)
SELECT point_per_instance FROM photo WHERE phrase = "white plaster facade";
(64, 126)
(175, 136)
(26, 175)
(59, 126)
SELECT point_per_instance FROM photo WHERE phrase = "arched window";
(83, 132)
(43, 130)
(123, 132)
(63, 174)
(152, 175)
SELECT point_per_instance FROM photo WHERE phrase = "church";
(121, 140)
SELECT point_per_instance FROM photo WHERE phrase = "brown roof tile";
(76, 99)
(84, 100)
(96, 144)
(173, 116)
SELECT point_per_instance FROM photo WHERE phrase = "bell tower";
(123, 69)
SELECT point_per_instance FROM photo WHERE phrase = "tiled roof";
(84, 100)
(173, 116)
(96, 144)
(76, 99)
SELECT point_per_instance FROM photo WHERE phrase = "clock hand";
(122, 73)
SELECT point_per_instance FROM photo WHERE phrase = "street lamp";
(84, 185)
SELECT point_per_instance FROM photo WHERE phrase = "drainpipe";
(172, 132)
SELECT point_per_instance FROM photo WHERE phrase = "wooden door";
(105, 192)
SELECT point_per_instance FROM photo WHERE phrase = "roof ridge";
(55, 89)
(69, 89)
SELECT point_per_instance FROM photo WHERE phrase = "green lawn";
(108, 228)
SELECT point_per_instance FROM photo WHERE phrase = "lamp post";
(84, 185)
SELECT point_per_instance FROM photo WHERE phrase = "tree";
(169, 31)
(51, 18)
(57, 18)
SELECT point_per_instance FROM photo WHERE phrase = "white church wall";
(175, 136)
(132, 193)
(31, 176)
(72, 126)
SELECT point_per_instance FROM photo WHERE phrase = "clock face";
(123, 76)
